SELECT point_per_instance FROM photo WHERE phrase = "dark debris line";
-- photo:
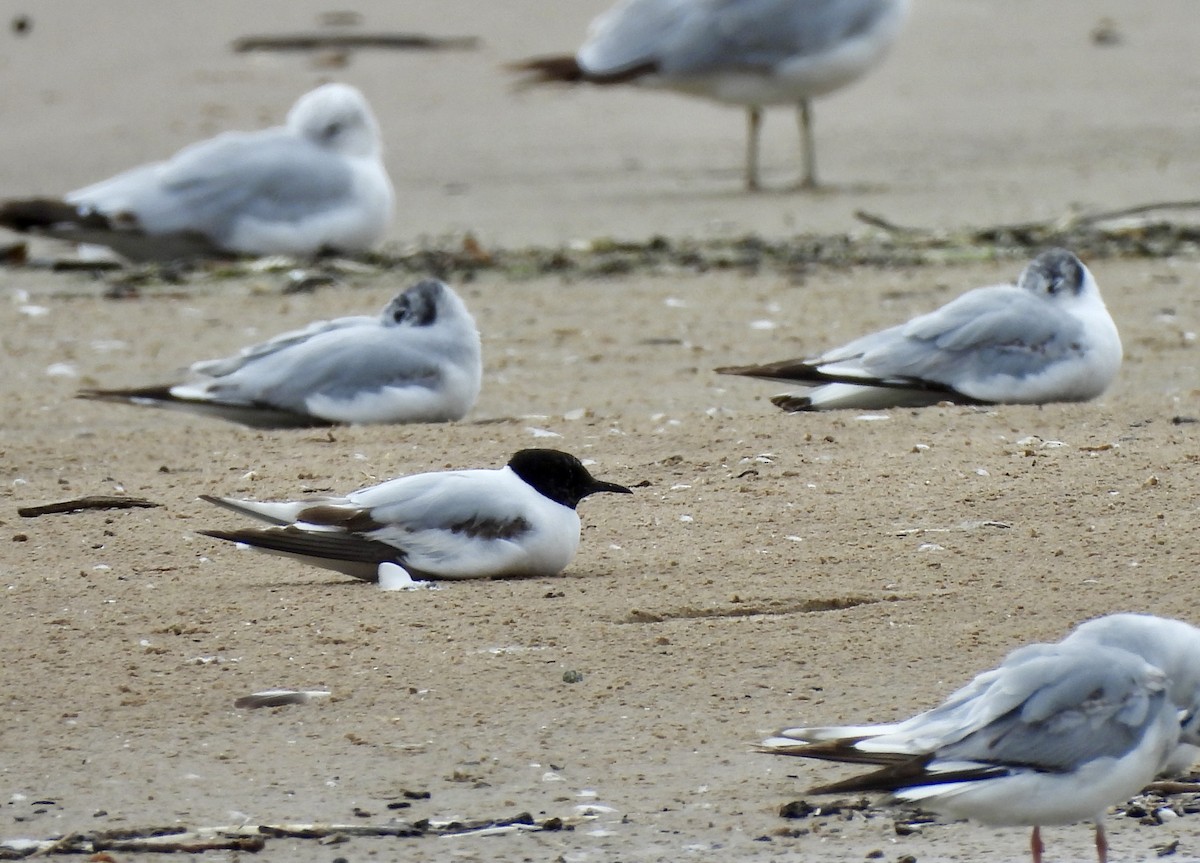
(1118, 236)
(1130, 233)
(175, 840)
(1160, 803)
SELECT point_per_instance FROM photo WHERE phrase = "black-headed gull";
(315, 184)
(1048, 338)
(418, 361)
(518, 520)
(1054, 735)
(742, 52)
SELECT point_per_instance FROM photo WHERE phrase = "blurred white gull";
(1049, 338)
(518, 520)
(743, 52)
(316, 184)
(418, 361)
(1056, 734)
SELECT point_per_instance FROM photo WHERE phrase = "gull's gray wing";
(284, 341)
(988, 332)
(432, 501)
(1089, 704)
(447, 523)
(273, 175)
(686, 37)
(452, 524)
(337, 363)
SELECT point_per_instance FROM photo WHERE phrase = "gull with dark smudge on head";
(1048, 338)
(417, 361)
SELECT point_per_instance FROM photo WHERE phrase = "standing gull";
(418, 361)
(315, 184)
(1056, 734)
(518, 520)
(742, 52)
(1049, 338)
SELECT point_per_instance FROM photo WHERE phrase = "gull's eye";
(331, 130)
(400, 313)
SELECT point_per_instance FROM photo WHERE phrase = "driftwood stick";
(1139, 210)
(94, 501)
(877, 221)
(254, 837)
(347, 41)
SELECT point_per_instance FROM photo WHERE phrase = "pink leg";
(1035, 844)
(1101, 843)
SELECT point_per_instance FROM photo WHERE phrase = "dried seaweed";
(1142, 231)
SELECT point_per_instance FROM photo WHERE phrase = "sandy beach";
(770, 569)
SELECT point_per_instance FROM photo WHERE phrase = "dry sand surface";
(770, 568)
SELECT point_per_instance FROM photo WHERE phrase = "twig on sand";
(1132, 232)
(350, 41)
(79, 504)
(1139, 210)
(173, 840)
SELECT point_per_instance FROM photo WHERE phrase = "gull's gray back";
(1091, 703)
(696, 37)
(272, 175)
(985, 333)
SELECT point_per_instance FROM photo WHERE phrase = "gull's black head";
(1055, 273)
(416, 307)
(559, 476)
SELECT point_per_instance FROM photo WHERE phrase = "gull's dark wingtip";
(745, 371)
(782, 370)
(162, 392)
(793, 404)
(561, 68)
(227, 535)
(565, 69)
(30, 214)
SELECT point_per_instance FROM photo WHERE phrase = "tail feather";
(341, 552)
(824, 733)
(911, 773)
(845, 751)
(33, 213)
(834, 389)
(122, 232)
(279, 513)
(150, 393)
(784, 370)
(254, 415)
(565, 69)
